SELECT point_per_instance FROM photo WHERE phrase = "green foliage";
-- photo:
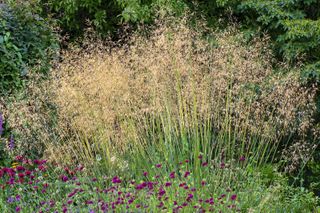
(294, 27)
(106, 16)
(26, 42)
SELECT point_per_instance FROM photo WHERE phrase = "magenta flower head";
(172, 175)
(204, 164)
(242, 158)
(189, 198)
(161, 204)
(1, 124)
(158, 165)
(20, 168)
(116, 179)
(222, 165)
(18, 209)
(167, 184)
(88, 202)
(233, 197)
(64, 178)
(145, 174)
(186, 174)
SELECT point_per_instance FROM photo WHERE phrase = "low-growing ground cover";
(39, 186)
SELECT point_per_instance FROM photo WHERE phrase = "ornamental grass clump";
(179, 91)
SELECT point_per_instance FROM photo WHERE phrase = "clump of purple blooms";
(71, 190)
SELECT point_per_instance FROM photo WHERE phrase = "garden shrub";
(294, 26)
(107, 16)
(27, 44)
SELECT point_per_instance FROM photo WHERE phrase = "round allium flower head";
(186, 174)
(167, 184)
(116, 179)
(233, 197)
(204, 164)
(242, 158)
(64, 178)
(172, 175)
(222, 165)
(20, 168)
(145, 174)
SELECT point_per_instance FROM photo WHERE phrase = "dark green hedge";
(27, 43)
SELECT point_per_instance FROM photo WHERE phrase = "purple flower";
(222, 165)
(91, 211)
(242, 158)
(189, 198)
(11, 143)
(145, 174)
(233, 197)
(1, 124)
(88, 202)
(186, 174)
(160, 205)
(10, 200)
(158, 165)
(161, 192)
(167, 184)
(64, 210)
(11, 181)
(116, 179)
(18, 209)
(64, 178)
(172, 175)
(18, 198)
(204, 164)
